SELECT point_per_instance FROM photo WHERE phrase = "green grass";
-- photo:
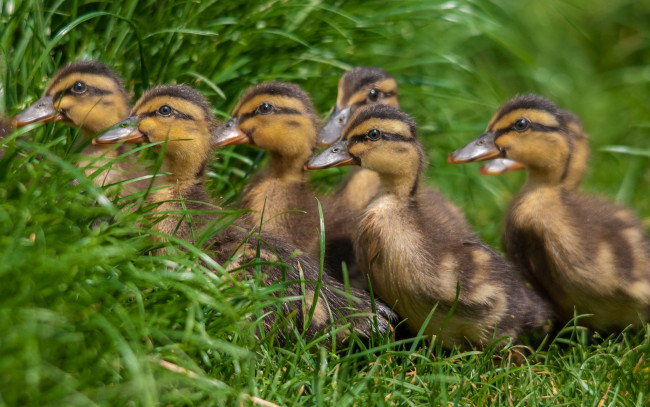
(88, 318)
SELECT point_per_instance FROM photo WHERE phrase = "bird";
(178, 118)
(280, 119)
(582, 252)
(360, 86)
(91, 96)
(417, 256)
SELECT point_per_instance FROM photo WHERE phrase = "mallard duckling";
(279, 118)
(360, 86)
(180, 116)
(89, 95)
(581, 252)
(415, 254)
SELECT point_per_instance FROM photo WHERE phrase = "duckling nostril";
(341, 120)
(336, 150)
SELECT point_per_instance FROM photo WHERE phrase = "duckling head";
(382, 139)
(276, 117)
(360, 86)
(534, 132)
(84, 94)
(176, 117)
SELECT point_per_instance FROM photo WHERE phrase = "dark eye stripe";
(386, 136)
(90, 90)
(276, 110)
(533, 125)
(175, 113)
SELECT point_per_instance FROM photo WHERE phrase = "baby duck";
(358, 87)
(280, 119)
(415, 254)
(180, 118)
(89, 95)
(581, 252)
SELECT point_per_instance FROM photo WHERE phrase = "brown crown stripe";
(360, 77)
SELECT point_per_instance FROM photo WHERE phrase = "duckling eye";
(164, 110)
(521, 124)
(373, 94)
(373, 135)
(264, 108)
(79, 88)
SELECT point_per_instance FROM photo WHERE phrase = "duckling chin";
(419, 257)
(583, 253)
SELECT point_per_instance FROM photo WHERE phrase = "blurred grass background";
(87, 318)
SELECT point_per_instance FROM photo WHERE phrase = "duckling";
(279, 118)
(417, 257)
(360, 86)
(580, 251)
(180, 116)
(89, 95)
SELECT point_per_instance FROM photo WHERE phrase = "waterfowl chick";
(581, 252)
(180, 117)
(415, 253)
(279, 118)
(89, 95)
(358, 87)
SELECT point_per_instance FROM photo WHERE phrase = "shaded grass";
(89, 318)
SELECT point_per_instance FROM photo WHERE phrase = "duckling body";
(181, 117)
(416, 253)
(88, 95)
(580, 251)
